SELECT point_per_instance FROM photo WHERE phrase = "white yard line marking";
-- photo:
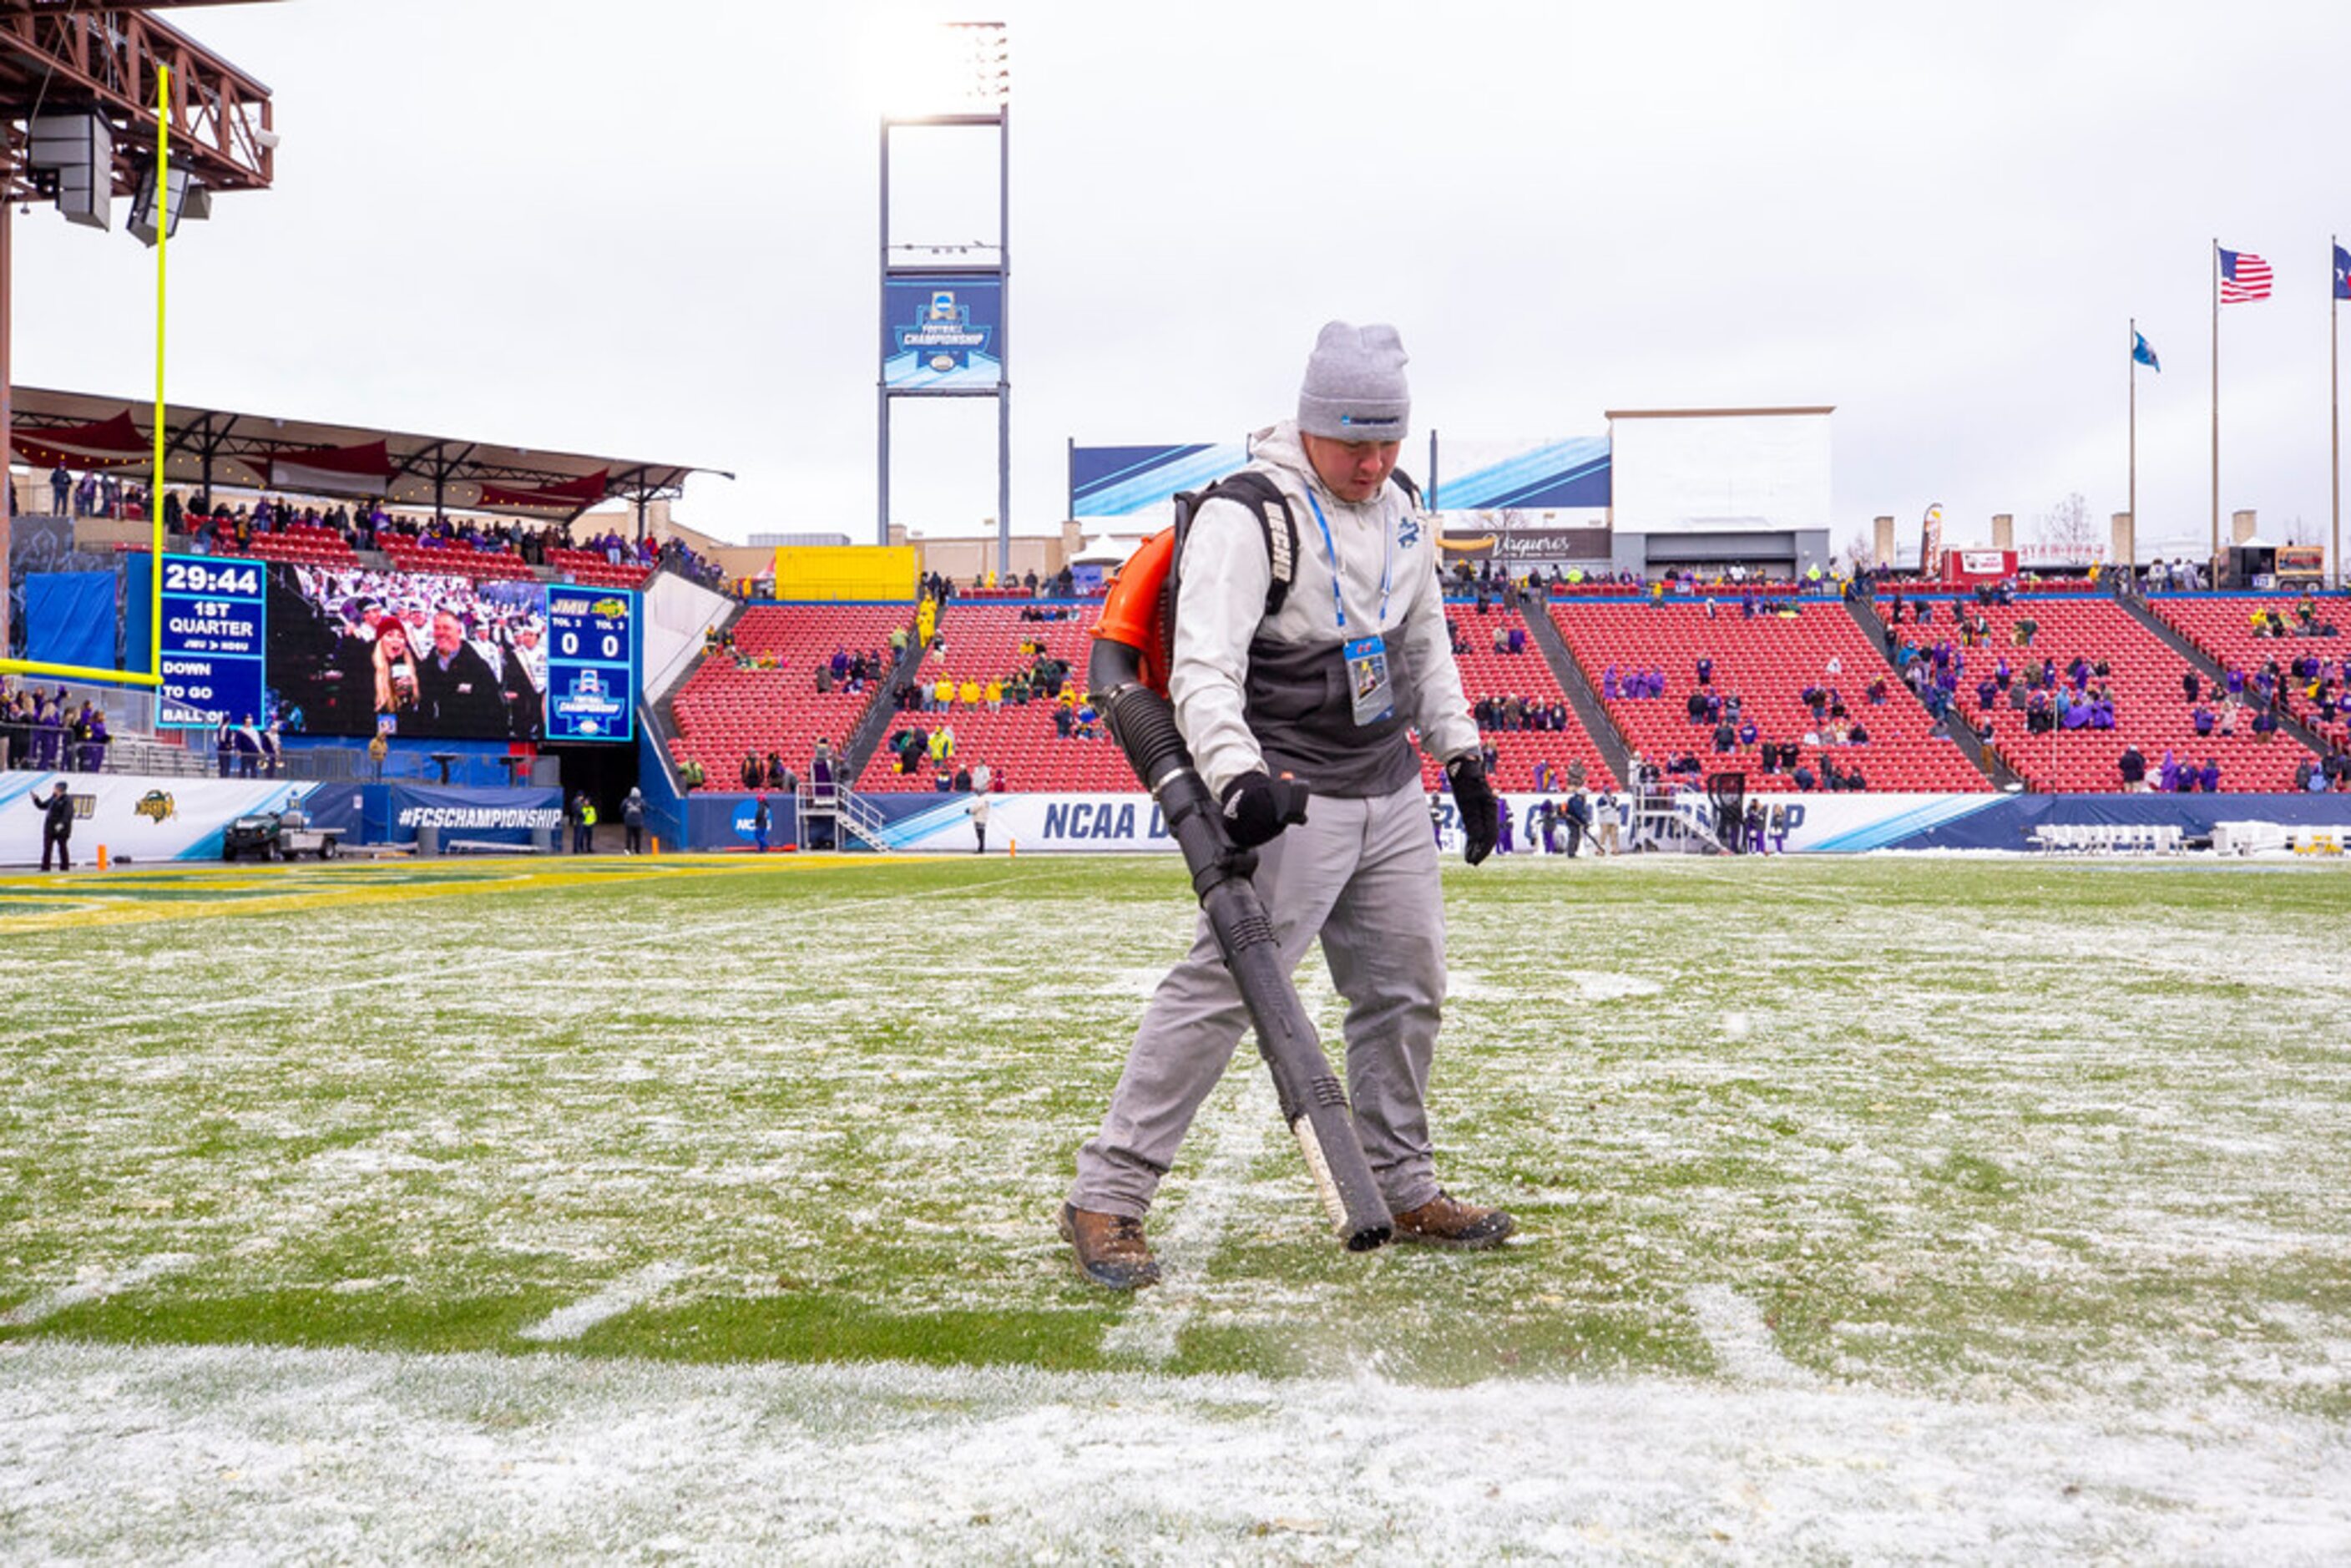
(1741, 1341)
(1235, 1137)
(51, 1303)
(1242, 1115)
(620, 1296)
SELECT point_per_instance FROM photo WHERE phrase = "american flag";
(2243, 276)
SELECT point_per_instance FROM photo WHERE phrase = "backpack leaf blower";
(1128, 675)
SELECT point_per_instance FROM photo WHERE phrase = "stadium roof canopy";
(208, 448)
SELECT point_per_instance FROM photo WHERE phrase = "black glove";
(1481, 823)
(1257, 808)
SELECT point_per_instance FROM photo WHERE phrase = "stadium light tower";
(96, 102)
(946, 308)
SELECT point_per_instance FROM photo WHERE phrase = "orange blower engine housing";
(1138, 611)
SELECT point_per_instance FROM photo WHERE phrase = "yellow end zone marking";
(246, 891)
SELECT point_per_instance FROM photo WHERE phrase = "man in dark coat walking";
(56, 828)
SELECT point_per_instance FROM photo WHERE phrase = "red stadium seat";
(2151, 708)
(1767, 661)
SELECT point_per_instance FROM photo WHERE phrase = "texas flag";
(2342, 273)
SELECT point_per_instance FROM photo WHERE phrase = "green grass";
(1950, 1126)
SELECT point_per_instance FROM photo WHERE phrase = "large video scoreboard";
(357, 652)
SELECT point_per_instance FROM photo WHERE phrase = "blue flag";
(2342, 273)
(2146, 356)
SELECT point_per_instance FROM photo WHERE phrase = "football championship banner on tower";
(940, 332)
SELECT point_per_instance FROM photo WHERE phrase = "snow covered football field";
(1948, 1209)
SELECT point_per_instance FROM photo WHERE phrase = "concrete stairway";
(1589, 710)
(2204, 665)
(1986, 760)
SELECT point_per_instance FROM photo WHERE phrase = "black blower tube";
(1313, 1101)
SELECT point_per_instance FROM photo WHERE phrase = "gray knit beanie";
(1355, 388)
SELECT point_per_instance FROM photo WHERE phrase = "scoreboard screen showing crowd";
(356, 651)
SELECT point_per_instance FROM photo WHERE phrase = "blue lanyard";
(1387, 566)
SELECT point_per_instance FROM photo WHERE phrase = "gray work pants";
(1362, 875)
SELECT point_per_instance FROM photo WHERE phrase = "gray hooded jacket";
(1253, 690)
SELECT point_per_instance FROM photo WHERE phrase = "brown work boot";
(1447, 1221)
(1110, 1249)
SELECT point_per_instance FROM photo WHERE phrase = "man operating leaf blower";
(1261, 665)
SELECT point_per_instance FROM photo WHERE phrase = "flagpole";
(2132, 565)
(2214, 564)
(2335, 404)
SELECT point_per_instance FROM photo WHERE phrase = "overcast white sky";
(645, 230)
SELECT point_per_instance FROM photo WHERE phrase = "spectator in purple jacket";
(90, 725)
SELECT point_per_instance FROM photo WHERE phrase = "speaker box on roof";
(79, 149)
(188, 200)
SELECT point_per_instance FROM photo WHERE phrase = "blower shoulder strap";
(1265, 500)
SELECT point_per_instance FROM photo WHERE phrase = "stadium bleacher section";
(304, 544)
(454, 558)
(1768, 660)
(761, 694)
(2308, 660)
(593, 570)
(1490, 675)
(987, 644)
(2143, 677)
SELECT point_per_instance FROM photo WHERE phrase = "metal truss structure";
(59, 55)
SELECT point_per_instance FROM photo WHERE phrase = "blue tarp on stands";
(139, 614)
(69, 619)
